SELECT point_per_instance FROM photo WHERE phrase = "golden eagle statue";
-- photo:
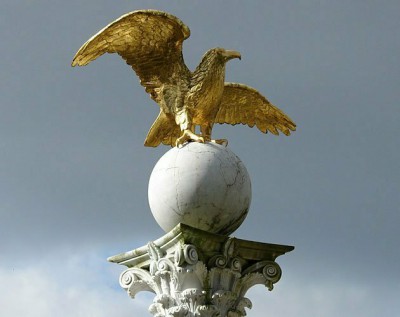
(151, 43)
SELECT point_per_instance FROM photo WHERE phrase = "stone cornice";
(208, 245)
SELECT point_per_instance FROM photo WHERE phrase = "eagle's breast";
(205, 96)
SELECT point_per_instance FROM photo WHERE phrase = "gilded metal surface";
(151, 43)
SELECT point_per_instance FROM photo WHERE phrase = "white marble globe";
(205, 186)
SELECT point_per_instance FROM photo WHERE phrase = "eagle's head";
(213, 63)
(221, 54)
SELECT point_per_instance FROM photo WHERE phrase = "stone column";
(200, 194)
(197, 273)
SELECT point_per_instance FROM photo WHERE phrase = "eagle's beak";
(231, 54)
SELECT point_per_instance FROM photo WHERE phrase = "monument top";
(200, 193)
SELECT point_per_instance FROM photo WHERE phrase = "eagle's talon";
(221, 142)
(188, 136)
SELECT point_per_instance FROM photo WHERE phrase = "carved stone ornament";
(197, 273)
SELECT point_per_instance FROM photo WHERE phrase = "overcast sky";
(74, 171)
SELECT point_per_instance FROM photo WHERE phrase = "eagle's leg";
(184, 121)
(206, 134)
(188, 136)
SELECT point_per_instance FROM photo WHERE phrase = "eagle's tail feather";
(164, 130)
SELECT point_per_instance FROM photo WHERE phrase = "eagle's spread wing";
(148, 40)
(243, 104)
